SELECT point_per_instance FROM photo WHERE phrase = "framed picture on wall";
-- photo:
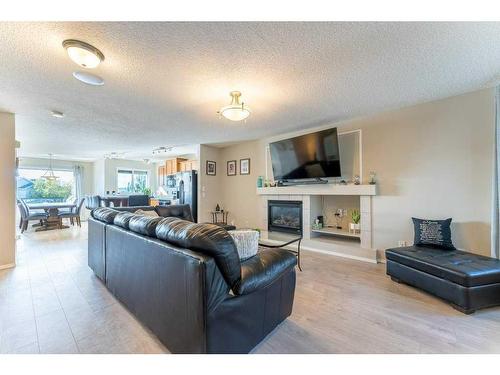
(211, 168)
(231, 168)
(245, 166)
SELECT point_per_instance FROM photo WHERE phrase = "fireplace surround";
(284, 216)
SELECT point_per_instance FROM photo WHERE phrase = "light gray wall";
(7, 190)
(88, 169)
(432, 160)
(105, 173)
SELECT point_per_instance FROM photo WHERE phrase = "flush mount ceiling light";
(89, 78)
(236, 111)
(83, 54)
(57, 114)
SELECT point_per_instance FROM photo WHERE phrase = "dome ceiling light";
(57, 114)
(83, 54)
(236, 111)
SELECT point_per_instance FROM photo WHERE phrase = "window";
(35, 189)
(131, 180)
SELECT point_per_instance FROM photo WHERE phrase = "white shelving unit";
(328, 240)
(336, 232)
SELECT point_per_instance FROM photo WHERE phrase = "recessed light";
(83, 54)
(57, 114)
(89, 78)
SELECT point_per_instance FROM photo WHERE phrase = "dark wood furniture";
(53, 219)
(115, 200)
(219, 217)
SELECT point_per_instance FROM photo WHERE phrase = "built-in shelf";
(336, 232)
(319, 189)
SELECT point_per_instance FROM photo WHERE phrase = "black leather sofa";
(186, 283)
(468, 281)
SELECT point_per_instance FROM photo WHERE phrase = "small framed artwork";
(244, 166)
(211, 168)
(231, 168)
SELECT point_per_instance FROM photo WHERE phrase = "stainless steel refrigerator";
(187, 190)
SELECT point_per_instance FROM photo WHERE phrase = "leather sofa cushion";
(145, 225)
(104, 214)
(207, 239)
(123, 219)
(181, 211)
(263, 269)
(457, 266)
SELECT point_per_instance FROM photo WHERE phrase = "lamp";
(49, 174)
(236, 111)
(83, 54)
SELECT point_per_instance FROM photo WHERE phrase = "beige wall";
(432, 160)
(210, 192)
(7, 190)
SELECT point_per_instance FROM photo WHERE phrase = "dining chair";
(74, 214)
(92, 201)
(27, 216)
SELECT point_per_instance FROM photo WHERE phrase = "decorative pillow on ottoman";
(435, 233)
(247, 242)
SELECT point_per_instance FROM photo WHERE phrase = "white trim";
(334, 253)
(360, 148)
(6, 266)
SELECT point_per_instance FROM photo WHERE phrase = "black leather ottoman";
(468, 281)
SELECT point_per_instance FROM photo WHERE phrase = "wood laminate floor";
(52, 303)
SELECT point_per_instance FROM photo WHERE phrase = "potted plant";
(354, 226)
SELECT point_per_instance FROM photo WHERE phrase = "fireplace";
(284, 216)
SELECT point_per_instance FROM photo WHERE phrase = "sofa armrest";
(263, 269)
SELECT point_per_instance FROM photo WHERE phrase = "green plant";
(355, 216)
(146, 191)
(50, 189)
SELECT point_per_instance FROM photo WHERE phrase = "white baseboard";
(5, 266)
(333, 253)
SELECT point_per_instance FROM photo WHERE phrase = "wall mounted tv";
(309, 156)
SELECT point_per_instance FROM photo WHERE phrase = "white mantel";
(320, 189)
(310, 195)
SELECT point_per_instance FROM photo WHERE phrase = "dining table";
(53, 220)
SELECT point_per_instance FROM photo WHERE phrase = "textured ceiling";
(165, 81)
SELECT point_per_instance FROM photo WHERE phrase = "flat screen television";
(309, 156)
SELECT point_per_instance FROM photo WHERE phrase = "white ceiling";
(165, 81)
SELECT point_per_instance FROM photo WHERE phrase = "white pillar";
(7, 190)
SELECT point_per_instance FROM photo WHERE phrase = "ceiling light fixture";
(236, 111)
(89, 78)
(114, 155)
(162, 150)
(83, 54)
(49, 173)
(57, 114)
